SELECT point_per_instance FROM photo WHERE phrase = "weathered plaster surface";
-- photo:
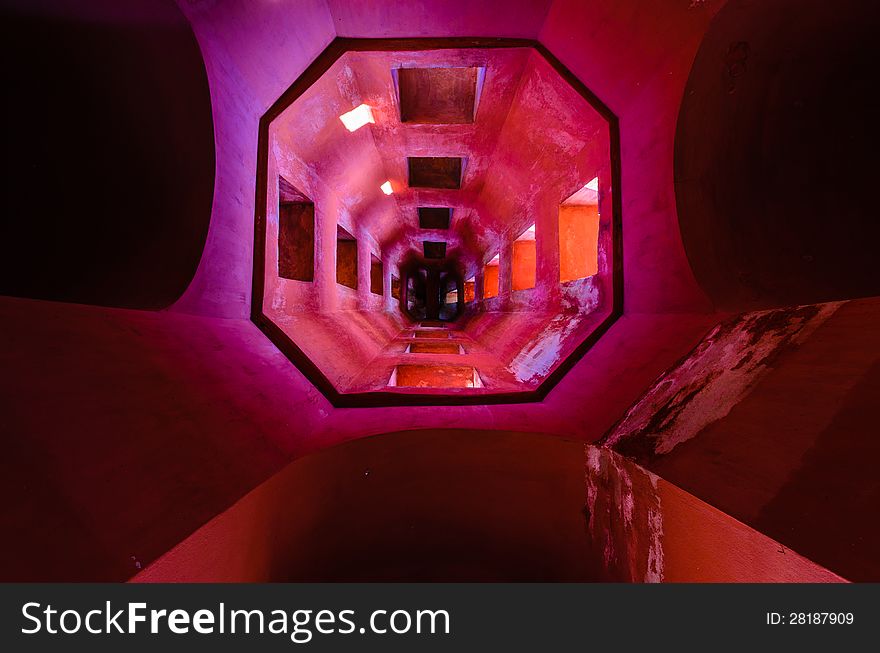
(705, 386)
(644, 529)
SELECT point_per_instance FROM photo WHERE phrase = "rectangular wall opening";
(395, 287)
(434, 250)
(524, 260)
(434, 217)
(439, 334)
(435, 172)
(449, 298)
(436, 376)
(470, 290)
(377, 275)
(579, 233)
(435, 348)
(490, 277)
(346, 258)
(296, 233)
(437, 96)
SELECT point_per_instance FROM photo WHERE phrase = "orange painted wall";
(490, 287)
(524, 264)
(578, 242)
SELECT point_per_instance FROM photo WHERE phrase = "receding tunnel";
(108, 137)
(775, 154)
(503, 244)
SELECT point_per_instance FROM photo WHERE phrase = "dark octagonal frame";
(289, 348)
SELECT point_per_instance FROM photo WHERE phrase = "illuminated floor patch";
(435, 348)
(432, 335)
(435, 376)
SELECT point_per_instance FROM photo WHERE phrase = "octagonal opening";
(517, 287)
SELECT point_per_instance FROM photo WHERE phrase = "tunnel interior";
(418, 157)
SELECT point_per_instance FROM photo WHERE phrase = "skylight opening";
(377, 275)
(528, 234)
(435, 376)
(358, 117)
(587, 195)
(387, 188)
(434, 249)
(444, 172)
(438, 95)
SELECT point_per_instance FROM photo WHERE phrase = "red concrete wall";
(636, 56)
(479, 506)
(644, 529)
(772, 419)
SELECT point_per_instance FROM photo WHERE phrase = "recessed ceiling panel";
(434, 249)
(437, 95)
(434, 172)
(433, 217)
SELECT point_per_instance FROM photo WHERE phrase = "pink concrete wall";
(246, 73)
(636, 56)
(512, 18)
